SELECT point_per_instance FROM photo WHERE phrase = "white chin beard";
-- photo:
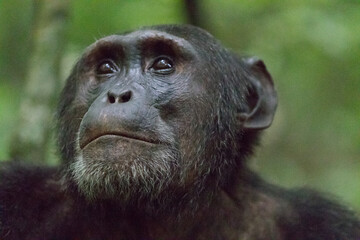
(124, 181)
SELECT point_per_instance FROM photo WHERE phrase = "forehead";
(141, 38)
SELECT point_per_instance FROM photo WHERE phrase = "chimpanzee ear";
(261, 99)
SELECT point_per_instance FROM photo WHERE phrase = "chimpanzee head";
(161, 114)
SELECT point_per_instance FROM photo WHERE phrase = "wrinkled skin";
(155, 128)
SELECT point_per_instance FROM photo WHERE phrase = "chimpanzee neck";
(241, 206)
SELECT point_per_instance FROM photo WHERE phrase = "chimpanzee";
(155, 128)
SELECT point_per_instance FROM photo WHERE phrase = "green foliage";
(9, 102)
(94, 19)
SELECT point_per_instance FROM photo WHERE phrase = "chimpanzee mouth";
(86, 140)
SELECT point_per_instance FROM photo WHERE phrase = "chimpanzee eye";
(163, 65)
(106, 67)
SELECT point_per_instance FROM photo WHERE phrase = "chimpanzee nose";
(119, 96)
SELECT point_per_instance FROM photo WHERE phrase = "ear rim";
(262, 114)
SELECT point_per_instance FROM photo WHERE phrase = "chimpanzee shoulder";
(319, 216)
(32, 201)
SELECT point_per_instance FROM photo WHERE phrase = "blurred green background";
(311, 48)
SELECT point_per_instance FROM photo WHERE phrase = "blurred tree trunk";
(192, 12)
(42, 81)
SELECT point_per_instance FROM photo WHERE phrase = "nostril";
(125, 97)
(111, 98)
(119, 97)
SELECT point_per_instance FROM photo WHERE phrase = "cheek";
(194, 142)
(89, 88)
(69, 124)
